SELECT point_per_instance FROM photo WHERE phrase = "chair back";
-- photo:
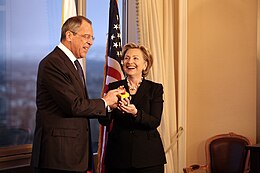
(226, 153)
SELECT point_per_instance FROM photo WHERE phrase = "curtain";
(158, 29)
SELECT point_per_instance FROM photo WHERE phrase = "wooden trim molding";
(15, 156)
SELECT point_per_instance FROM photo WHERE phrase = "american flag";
(113, 70)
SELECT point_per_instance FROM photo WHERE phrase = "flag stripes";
(114, 70)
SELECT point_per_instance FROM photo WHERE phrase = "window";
(29, 30)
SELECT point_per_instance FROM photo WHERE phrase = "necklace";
(133, 88)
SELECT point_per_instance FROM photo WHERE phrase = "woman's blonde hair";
(146, 55)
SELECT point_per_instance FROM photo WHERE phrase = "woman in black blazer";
(134, 144)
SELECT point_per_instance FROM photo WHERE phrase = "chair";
(225, 153)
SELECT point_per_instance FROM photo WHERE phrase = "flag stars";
(115, 45)
(112, 37)
(116, 26)
(119, 53)
(118, 35)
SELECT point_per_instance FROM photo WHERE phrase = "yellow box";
(123, 95)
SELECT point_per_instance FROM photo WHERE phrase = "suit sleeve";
(151, 118)
(106, 120)
(61, 91)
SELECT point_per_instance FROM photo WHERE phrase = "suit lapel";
(142, 90)
(73, 70)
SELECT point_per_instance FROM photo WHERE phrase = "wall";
(258, 76)
(221, 71)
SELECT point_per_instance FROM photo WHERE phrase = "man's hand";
(111, 97)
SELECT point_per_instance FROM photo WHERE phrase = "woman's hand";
(126, 107)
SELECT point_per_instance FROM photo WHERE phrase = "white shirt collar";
(68, 53)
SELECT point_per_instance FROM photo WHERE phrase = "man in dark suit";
(62, 134)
